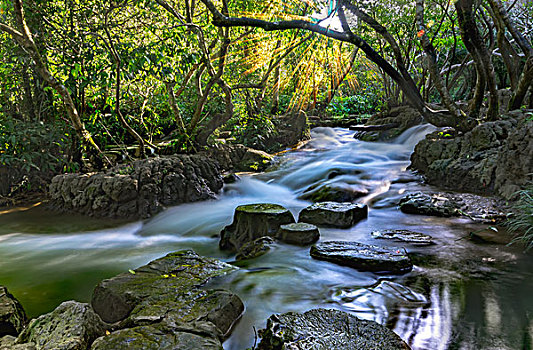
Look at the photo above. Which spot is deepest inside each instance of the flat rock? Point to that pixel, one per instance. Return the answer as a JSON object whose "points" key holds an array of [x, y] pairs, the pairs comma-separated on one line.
{"points": [[255, 248], [253, 221], [363, 257], [167, 291], [322, 329], [483, 209], [406, 236], [71, 326], [428, 204], [298, 233], [157, 337], [337, 192], [12, 315], [343, 215]]}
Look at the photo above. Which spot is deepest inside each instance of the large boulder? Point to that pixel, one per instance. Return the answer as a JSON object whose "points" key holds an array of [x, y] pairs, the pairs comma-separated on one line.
{"points": [[137, 190], [343, 215], [12, 315], [485, 209], [71, 326], [298, 233], [493, 158], [363, 257], [253, 221], [158, 337], [166, 291], [322, 329]]}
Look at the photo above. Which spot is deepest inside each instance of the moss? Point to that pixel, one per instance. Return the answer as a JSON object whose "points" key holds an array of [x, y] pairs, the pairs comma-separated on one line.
{"points": [[262, 208]]}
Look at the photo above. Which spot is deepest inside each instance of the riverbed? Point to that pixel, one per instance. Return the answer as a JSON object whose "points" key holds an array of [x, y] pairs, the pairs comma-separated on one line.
{"points": [[460, 295]]}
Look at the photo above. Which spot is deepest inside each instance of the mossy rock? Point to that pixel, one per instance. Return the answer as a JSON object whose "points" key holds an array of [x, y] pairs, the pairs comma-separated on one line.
{"points": [[157, 337], [342, 215], [363, 257], [298, 233], [71, 326], [167, 291], [254, 221], [323, 329], [12, 315]]}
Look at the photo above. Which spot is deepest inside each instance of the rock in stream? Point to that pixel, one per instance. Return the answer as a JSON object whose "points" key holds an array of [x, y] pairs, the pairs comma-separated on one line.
{"points": [[363, 257], [12, 315], [166, 295], [406, 236], [322, 329], [254, 221], [342, 215]]}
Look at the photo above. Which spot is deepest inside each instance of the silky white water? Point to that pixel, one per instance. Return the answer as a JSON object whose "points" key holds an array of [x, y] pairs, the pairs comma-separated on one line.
{"points": [[47, 258]]}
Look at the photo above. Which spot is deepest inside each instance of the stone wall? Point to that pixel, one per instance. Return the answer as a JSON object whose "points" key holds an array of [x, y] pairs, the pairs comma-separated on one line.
{"points": [[137, 190]]}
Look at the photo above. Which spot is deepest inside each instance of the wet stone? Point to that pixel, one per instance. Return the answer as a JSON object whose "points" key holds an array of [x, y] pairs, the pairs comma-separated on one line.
{"points": [[71, 326], [157, 337], [8, 342], [338, 192], [406, 236], [298, 233], [428, 204], [253, 221], [167, 291], [342, 215], [255, 248], [327, 329], [363, 257], [12, 315]]}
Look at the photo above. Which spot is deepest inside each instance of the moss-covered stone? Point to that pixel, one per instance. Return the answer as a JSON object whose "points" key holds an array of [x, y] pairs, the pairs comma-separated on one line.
{"points": [[157, 337], [254, 221], [167, 291], [71, 326], [323, 329], [12, 315], [298, 233], [363, 257], [334, 214]]}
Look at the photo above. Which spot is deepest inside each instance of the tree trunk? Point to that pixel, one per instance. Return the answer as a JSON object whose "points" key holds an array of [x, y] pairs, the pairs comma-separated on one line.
{"points": [[25, 39], [474, 44]]}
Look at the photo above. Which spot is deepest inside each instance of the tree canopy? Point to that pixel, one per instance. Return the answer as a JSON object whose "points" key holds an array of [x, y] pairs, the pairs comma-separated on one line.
{"points": [[138, 71]]}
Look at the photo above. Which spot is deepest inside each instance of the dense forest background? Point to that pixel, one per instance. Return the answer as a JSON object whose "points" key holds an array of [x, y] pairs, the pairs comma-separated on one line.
{"points": [[87, 79]]}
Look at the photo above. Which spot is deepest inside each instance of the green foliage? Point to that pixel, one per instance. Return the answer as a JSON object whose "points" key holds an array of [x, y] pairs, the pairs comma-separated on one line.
{"points": [[521, 223], [32, 146], [252, 131], [365, 102]]}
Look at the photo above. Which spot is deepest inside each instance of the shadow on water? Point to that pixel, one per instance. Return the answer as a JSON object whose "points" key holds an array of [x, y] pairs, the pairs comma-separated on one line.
{"points": [[459, 296]]}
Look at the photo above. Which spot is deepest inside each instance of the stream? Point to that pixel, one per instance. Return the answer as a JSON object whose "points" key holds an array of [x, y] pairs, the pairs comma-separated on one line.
{"points": [[460, 295]]}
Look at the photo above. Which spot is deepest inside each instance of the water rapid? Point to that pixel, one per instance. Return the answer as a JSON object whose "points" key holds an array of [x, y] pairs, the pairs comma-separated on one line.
{"points": [[46, 259]]}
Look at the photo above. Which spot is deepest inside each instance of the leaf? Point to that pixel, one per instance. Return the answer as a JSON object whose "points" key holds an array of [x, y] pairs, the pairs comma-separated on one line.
{"points": [[493, 228]]}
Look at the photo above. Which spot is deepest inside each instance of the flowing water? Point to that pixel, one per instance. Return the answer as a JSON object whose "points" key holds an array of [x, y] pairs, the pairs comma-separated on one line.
{"points": [[459, 296]]}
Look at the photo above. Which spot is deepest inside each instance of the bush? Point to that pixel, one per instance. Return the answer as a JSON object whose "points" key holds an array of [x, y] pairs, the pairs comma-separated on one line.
{"points": [[521, 224], [34, 146]]}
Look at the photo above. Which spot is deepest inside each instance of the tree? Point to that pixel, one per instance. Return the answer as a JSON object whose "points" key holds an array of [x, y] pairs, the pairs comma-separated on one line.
{"points": [[24, 38]]}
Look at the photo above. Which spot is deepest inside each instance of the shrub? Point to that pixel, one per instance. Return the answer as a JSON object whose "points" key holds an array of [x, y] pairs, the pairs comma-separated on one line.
{"points": [[521, 224]]}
